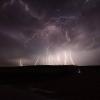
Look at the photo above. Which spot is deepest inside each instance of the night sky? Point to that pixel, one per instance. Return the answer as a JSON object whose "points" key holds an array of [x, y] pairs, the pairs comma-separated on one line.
{"points": [[49, 32]]}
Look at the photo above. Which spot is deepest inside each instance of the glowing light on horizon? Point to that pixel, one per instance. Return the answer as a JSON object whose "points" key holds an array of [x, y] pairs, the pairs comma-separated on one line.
{"points": [[58, 58], [20, 62]]}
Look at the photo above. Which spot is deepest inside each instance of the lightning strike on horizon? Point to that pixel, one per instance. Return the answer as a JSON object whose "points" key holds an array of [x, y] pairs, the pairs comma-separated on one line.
{"points": [[20, 62], [71, 58], [36, 61]]}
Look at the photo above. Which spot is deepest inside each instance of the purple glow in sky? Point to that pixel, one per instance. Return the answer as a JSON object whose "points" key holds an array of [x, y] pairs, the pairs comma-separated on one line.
{"points": [[36, 32]]}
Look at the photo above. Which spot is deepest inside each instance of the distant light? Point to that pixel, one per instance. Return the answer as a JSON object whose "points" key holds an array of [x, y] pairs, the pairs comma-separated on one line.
{"points": [[59, 58], [20, 62]]}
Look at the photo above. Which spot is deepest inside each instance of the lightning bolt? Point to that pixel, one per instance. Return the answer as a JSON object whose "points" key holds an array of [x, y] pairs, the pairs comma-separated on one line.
{"points": [[71, 58], [20, 62]]}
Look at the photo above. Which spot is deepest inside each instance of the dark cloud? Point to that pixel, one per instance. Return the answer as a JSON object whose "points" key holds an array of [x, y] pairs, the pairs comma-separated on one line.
{"points": [[29, 27]]}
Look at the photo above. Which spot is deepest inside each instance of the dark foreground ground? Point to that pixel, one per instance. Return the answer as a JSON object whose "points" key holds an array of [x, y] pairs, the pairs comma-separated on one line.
{"points": [[50, 83]]}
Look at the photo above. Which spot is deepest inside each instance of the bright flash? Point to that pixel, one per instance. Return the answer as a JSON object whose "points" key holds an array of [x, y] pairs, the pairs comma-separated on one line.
{"points": [[59, 58], [49, 58]]}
